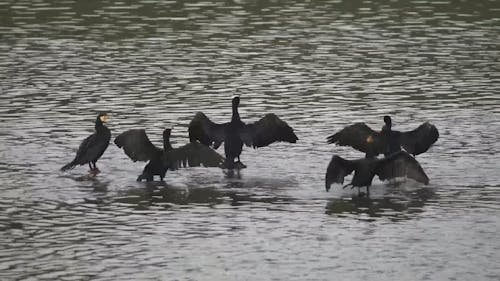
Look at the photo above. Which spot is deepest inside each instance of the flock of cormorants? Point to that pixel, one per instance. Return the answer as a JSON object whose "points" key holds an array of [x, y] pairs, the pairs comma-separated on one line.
{"points": [[205, 136]]}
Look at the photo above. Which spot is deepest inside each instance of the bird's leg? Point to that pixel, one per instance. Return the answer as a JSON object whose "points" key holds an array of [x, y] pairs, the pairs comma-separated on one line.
{"points": [[367, 191], [162, 174], [95, 168], [229, 164]]}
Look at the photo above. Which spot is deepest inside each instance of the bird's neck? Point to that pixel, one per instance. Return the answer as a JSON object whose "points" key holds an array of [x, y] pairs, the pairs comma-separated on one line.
{"points": [[236, 115], [166, 145], [99, 126]]}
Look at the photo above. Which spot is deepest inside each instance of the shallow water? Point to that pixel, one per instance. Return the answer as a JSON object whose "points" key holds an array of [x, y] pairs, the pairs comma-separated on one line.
{"points": [[319, 66]]}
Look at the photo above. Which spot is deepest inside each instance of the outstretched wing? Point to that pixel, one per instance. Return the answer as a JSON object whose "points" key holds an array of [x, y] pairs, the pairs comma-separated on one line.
{"points": [[356, 136], [267, 130], [401, 164], [337, 170], [137, 145], [419, 140], [192, 155], [206, 131]]}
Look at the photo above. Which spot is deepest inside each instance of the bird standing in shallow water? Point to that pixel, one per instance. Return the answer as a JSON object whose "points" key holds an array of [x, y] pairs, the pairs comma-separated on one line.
{"points": [[234, 134], [363, 138], [138, 147], [399, 164], [92, 148]]}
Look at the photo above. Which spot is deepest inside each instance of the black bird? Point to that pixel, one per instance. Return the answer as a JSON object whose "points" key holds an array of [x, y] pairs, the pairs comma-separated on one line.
{"points": [[399, 164], [234, 134], [138, 147], [387, 141], [92, 148]]}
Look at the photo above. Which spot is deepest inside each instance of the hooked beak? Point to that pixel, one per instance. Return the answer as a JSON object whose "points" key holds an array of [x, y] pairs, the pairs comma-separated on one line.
{"points": [[103, 118]]}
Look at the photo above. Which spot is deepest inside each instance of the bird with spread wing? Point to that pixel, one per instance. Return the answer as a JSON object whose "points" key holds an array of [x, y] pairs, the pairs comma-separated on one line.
{"points": [[138, 147], [235, 133], [363, 138], [399, 164]]}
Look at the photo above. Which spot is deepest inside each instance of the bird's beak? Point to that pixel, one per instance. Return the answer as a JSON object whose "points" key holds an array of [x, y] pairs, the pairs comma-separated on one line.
{"points": [[104, 118], [369, 139]]}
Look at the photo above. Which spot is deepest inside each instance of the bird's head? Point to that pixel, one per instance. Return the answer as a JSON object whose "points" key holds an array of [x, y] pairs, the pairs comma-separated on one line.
{"points": [[103, 116], [236, 101], [387, 120]]}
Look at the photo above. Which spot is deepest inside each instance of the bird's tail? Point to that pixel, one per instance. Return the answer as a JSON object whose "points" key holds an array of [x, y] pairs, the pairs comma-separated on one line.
{"points": [[68, 166]]}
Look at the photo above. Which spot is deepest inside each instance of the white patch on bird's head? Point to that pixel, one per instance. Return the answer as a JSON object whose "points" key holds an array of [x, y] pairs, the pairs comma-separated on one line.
{"points": [[103, 117]]}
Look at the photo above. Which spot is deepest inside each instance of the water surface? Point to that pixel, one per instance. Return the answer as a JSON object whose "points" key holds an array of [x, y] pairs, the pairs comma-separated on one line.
{"points": [[319, 66]]}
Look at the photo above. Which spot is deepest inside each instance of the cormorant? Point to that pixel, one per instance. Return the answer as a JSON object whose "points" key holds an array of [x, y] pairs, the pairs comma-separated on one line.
{"points": [[399, 164], [234, 134], [387, 141], [138, 147], [92, 148]]}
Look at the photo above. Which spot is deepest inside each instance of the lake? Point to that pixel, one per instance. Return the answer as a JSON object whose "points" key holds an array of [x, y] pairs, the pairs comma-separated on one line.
{"points": [[319, 66]]}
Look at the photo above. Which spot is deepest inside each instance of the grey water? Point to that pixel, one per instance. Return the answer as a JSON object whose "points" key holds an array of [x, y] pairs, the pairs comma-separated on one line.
{"points": [[318, 65]]}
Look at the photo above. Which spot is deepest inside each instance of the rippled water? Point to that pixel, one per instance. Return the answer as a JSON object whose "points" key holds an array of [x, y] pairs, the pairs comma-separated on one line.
{"points": [[320, 66]]}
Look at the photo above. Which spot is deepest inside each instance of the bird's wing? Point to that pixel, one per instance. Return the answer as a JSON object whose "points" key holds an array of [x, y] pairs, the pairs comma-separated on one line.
{"points": [[267, 130], [356, 136], [337, 170], [136, 145], [401, 164], [85, 146], [192, 155], [206, 131], [419, 140]]}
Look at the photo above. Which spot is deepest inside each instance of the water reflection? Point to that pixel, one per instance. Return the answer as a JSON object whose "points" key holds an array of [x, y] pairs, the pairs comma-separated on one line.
{"points": [[396, 204], [164, 195], [236, 192], [89, 181]]}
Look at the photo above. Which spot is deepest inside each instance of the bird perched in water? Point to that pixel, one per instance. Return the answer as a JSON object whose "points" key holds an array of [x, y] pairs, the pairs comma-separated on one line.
{"points": [[138, 147], [387, 141], [92, 148], [399, 164], [235, 133]]}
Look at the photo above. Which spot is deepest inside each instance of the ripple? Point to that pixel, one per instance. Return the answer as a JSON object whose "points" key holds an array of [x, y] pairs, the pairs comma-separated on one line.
{"points": [[320, 66]]}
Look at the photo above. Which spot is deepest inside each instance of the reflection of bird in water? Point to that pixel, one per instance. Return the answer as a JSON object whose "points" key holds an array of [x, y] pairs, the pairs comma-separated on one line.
{"points": [[92, 148], [138, 147], [387, 141], [399, 206], [234, 134], [399, 164], [233, 173]]}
